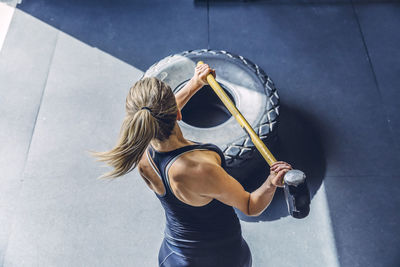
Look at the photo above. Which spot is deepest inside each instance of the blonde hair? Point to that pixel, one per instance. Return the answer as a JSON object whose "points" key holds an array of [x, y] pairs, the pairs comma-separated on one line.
{"points": [[141, 125]]}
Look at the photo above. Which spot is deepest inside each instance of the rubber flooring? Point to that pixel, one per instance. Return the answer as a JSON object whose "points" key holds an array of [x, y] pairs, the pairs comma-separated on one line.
{"points": [[65, 69]]}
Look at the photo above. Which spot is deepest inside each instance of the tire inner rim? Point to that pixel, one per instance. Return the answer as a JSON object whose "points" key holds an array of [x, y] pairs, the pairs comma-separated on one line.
{"points": [[205, 109]]}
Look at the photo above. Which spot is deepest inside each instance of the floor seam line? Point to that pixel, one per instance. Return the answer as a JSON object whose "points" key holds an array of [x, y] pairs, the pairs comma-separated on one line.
{"points": [[40, 102], [375, 77], [21, 176], [208, 24]]}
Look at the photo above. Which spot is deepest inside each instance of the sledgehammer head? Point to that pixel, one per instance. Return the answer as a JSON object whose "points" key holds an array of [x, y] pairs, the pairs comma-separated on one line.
{"points": [[297, 194]]}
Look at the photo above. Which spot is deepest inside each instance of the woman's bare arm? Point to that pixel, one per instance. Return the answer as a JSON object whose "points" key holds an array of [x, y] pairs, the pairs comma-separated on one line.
{"points": [[211, 180], [183, 96], [194, 84]]}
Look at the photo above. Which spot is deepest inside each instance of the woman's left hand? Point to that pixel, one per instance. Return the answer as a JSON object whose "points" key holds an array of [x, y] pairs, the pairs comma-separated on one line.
{"points": [[277, 173], [200, 74]]}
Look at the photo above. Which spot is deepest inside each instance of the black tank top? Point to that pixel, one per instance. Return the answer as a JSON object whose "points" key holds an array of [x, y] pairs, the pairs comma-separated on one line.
{"points": [[189, 226]]}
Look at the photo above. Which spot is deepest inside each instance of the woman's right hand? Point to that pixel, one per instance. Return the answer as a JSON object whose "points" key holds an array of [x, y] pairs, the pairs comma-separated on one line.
{"points": [[200, 74], [277, 172]]}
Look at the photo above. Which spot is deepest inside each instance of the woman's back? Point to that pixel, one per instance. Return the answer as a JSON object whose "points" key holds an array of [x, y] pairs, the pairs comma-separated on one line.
{"points": [[210, 232], [209, 222]]}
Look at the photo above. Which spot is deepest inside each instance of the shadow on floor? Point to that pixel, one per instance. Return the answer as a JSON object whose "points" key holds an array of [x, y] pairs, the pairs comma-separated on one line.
{"points": [[136, 32], [299, 144]]}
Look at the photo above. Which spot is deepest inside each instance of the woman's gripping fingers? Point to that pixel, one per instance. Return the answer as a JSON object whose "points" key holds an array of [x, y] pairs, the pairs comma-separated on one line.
{"points": [[280, 164], [279, 177], [280, 168]]}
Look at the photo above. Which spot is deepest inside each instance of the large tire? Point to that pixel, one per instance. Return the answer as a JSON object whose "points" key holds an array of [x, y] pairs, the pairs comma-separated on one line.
{"points": [[252, 90]]}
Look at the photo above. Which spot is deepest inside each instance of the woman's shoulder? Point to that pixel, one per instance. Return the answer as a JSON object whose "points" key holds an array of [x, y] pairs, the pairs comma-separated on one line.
{"points": [[192, 170], [191, 175], [196, 160]]}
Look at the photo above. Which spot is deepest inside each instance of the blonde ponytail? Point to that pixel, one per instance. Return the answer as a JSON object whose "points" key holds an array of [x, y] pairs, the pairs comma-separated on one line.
{"points": [[150, 113]]}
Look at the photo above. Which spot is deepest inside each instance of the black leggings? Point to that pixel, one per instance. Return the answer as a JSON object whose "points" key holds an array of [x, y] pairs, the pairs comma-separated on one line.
{"points": [[232, 255]]}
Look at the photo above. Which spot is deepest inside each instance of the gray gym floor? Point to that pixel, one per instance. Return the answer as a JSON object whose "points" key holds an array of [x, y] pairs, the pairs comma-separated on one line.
{"points": [[65, 70]]}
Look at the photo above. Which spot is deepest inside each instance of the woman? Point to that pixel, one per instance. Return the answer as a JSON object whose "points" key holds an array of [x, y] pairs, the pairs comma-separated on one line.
{"points": [[188, 177]]}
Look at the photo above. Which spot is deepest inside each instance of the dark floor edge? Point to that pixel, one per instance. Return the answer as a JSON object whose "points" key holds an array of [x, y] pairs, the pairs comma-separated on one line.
{"points": [[362, 176], [296, 3]]}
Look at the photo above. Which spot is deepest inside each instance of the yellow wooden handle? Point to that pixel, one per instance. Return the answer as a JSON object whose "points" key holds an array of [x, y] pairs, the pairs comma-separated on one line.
{"points": [[267, 155]]}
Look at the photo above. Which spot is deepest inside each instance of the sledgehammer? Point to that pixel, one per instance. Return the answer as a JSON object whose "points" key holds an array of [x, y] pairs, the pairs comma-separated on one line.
{"points": [[295, 185]]}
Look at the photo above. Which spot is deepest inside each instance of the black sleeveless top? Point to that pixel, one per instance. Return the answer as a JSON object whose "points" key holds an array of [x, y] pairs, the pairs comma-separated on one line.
{"points": [[189, 226]]}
